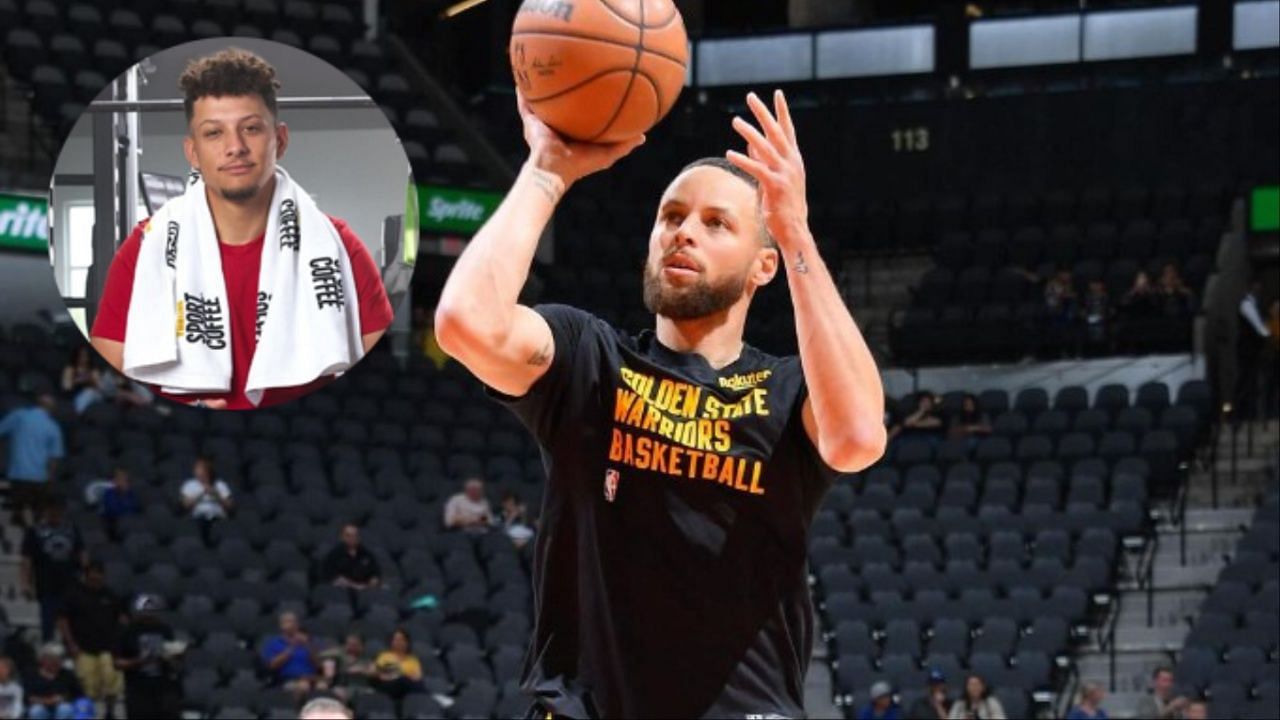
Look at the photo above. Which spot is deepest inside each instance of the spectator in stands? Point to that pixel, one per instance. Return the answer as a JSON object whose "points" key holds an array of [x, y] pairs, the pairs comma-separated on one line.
{"points": [[1060, 302], [346, 669], [977, 702], [35, 446], [970, 421], [11, 707], [1196, 710], [515, 519], [90, 625], [325, 708], [1140, 300], [469, 510], [1175, 297], [52, 555], [206, 496], [1160, 703], [119, 500], [125, 392], [1251, 338], [882, 705], [1097, 315], [81, 380], [934, 705], [51, 690], [349, 564], [151, 661], [288, 657], [924, 421], [399, 672], [1088, 703]]}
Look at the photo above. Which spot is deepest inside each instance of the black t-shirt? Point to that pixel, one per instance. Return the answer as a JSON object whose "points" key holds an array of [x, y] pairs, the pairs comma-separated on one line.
{"points": [[64, 684], [146, 639], [670, 570], [94, 617], [55, 557], [361, 567]]}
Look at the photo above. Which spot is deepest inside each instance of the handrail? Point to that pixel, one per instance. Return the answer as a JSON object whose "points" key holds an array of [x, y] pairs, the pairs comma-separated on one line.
{"points": [[1146, 574]]}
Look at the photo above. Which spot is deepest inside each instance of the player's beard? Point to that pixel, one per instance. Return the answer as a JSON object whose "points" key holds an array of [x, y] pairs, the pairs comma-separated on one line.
{"points": [[695, 301], [238, 195]]}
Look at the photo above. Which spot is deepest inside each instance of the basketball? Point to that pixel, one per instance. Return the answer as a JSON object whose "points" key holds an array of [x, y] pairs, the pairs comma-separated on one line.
{"points": [[599, 70]]}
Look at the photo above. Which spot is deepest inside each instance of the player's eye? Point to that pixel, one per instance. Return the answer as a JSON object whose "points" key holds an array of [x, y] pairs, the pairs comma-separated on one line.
{"points": [[253, 129], [210, 134], [717, 222], [673, 218]]}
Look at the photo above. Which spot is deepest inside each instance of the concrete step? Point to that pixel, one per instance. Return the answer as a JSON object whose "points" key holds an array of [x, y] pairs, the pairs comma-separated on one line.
{"points": [[1201, 519], [1169, 608]]}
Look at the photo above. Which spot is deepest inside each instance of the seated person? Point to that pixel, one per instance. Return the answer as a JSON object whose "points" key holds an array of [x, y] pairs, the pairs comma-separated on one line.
{"points": [[350, 564], [51, 690], [469, 509], [288, 657], [205, 496], [118, 501], [515, 519], [398, 671], [345, 670], [969, 421], [10, 691]]}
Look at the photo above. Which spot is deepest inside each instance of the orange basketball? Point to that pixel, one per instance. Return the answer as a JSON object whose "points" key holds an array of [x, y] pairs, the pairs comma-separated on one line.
{"points": [[599, 70]]}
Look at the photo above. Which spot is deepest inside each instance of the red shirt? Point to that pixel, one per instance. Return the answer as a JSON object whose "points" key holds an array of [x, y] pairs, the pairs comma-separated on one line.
{"points": [[240, 265]]}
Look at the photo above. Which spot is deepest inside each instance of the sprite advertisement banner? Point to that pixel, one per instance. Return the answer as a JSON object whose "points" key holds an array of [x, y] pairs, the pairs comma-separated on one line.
{"points": [[454, 210], [24, 223]]}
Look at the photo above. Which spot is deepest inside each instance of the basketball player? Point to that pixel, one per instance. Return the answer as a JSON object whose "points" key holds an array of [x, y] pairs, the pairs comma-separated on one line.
{"points": [[234, 141], [684, 466]]}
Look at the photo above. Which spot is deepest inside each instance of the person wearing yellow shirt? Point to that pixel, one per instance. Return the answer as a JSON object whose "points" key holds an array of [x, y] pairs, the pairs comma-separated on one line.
{"points": [[398, 671]]}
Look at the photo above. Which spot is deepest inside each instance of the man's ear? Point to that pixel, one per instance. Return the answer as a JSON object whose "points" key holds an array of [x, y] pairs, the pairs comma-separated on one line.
{"points": [[282, 140], [766, 266], [189, 149]]}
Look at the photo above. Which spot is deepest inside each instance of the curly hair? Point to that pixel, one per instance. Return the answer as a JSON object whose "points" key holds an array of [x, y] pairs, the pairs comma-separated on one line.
{"points": [[229, 72]]}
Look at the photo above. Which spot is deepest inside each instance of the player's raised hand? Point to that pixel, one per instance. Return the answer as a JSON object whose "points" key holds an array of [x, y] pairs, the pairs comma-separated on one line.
{"points": [[773, 158], [570, 160]]}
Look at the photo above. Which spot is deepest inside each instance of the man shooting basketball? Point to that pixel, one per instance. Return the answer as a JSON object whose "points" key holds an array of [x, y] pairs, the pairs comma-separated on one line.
{"points": [[684, 466]]}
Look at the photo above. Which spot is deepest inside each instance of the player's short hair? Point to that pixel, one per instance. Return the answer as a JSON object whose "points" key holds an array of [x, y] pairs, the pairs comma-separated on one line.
{"points": [[325, 706], [746, 177], [232, 72]]}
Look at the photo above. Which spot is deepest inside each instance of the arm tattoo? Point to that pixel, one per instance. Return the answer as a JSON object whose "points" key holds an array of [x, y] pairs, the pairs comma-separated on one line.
{"points": [[551, 185], [801, 266], [541, 357]]}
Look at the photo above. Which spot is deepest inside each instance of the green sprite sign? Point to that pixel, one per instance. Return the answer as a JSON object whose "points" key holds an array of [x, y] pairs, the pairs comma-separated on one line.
{"points": [[453, 210], [1264, 209], [24, 223]]}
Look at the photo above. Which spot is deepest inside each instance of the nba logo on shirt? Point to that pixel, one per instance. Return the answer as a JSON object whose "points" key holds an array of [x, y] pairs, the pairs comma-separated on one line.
{"points": [[610, 484]]}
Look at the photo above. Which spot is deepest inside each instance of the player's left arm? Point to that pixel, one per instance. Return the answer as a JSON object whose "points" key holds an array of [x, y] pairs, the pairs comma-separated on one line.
{"points": [[844, 413], [376, 313]]}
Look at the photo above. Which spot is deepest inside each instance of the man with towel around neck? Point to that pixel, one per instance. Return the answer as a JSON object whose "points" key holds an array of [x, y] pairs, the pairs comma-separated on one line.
{"points": [[247, 295]]}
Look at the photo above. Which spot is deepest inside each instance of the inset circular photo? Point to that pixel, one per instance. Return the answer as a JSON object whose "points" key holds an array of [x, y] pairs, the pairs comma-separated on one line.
{"points": [[233, 223]]}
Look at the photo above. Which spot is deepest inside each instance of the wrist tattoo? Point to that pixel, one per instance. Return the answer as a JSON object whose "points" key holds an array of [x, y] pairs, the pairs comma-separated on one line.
{"points": [[549, 183], [801, 266], [541, 357]]}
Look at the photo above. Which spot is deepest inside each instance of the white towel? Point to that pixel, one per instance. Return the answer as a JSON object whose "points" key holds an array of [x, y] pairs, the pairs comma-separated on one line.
{"points": [[178, 334]]}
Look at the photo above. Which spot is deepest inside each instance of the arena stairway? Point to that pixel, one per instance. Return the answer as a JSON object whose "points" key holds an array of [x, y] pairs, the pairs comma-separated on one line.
{"points": [[1179, 590], [22, 614]]}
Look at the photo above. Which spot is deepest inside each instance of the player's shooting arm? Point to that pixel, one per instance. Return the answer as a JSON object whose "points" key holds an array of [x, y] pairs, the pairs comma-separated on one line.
{"points": [[844, 414], [478, 320]]}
